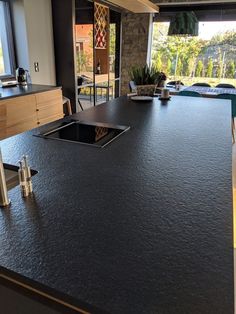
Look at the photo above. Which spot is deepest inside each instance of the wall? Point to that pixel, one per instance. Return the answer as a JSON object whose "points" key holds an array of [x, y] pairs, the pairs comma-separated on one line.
{"points": [[64, 39], [135, 40], [34, 38]]}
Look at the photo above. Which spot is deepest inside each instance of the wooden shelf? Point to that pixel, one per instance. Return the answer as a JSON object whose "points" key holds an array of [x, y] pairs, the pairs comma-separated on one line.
{"points": [[101, 25]]}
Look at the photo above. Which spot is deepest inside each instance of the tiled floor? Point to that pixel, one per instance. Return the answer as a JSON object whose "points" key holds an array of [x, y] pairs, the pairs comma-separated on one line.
{"points": [[86, 103]]}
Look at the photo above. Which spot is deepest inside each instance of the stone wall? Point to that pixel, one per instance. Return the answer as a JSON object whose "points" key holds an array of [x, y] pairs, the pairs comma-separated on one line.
{"points": [[135, 33]]}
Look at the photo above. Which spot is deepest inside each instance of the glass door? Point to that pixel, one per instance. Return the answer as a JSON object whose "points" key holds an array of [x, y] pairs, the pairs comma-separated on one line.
{"points": [[84, 30], [97, 37], [114, 55]]}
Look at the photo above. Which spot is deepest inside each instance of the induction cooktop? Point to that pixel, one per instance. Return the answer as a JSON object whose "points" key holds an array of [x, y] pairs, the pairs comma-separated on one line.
{"points": [[88, 133]]}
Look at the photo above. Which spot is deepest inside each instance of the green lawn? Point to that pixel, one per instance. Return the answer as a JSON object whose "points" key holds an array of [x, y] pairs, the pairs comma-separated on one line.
{"points": [[1, 64], [210, 80]]}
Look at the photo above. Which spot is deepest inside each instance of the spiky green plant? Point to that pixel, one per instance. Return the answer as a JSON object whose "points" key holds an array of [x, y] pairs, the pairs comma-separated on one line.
{"points": [[145, 75]]}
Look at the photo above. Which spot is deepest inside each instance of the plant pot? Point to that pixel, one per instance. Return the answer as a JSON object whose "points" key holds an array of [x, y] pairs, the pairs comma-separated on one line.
{"points": [[146, 90], [161, 83]]}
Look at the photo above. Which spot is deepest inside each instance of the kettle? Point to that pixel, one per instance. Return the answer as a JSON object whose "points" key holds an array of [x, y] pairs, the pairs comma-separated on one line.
{"points": [[21, 76]]}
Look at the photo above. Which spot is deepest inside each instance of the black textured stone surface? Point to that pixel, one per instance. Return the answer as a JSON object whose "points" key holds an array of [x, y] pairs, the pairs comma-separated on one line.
{"points": [[9, 92], [142, 226]]}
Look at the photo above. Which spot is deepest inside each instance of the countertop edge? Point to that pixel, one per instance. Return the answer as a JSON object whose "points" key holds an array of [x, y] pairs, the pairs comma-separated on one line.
{"points": [[45, 294], [26, 93]]}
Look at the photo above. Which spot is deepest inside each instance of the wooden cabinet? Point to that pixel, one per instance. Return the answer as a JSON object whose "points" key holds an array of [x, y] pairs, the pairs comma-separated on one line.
{"points": [[23, 113], [20, 114], [49, 106], [3, 120]]}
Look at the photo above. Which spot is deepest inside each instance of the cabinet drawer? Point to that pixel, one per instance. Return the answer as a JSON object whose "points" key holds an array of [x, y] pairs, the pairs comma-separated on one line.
{"points": [[20, 109], [48, 98], [3, 133], [23, 113], [49, 119], [20, 127], [3, 111], [49, 111], [3, 120]]}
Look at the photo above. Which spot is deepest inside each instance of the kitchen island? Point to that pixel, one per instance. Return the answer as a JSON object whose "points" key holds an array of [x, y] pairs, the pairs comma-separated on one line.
{"points": [[144, 225]]}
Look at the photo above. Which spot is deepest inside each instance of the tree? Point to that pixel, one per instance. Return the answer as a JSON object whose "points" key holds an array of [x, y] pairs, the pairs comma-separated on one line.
{"points": [[158, 63], [230, 69], [83, 61], [219, 66], [112, 39], [199, 69], [184, 53], [191, 67], [179, 70], [228, 37], [169, 67], [166, 48], [209, 71]]}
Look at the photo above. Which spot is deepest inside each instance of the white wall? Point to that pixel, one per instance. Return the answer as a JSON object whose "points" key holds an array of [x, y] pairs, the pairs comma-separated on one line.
{"points": [[34, 38]]}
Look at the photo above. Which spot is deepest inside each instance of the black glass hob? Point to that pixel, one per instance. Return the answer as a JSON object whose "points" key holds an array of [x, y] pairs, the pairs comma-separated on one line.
{"points": [[90, 133]]}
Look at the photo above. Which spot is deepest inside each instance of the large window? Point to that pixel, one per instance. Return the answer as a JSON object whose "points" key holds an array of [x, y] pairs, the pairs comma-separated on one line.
{"points": [[6, 45], [210, 57]]}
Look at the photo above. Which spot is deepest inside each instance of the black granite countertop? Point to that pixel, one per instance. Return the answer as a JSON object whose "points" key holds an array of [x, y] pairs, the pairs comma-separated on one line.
{"points": [[143, 225], [10, 92]]}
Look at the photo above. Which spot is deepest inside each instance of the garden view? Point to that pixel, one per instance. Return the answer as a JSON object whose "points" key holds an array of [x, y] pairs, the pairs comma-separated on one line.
{"points": [[210, 57], [1, 60]]}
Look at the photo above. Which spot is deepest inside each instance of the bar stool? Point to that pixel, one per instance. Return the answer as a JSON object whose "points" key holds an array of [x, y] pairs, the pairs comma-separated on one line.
{"points": [[233, 109], [66, 102], [107, 89], [224, 85], [202, 84], [189, 93], [79, 83]]}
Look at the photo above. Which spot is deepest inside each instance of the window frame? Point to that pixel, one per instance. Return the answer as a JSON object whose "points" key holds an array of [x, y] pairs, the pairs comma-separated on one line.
{"points": [[9, 41]]}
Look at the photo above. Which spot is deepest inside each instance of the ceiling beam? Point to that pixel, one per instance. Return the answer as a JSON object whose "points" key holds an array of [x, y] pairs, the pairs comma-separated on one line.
{"points": [[192, 2], [136, 6]]}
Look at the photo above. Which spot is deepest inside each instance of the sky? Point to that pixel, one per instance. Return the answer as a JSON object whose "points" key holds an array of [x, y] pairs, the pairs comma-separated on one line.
{"points": [[209, 29]]}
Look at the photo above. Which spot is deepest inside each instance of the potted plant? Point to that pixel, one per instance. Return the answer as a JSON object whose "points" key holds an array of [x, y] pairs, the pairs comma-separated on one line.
{"points": [[146, 79], [162, 79]]}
